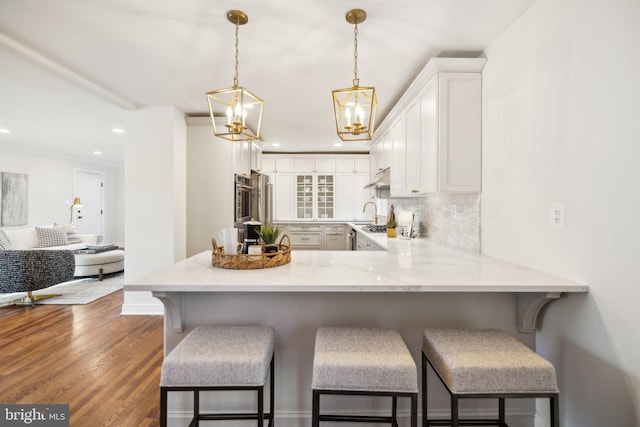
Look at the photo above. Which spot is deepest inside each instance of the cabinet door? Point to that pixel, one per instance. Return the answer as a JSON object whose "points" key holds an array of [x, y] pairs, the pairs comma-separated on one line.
{"points": [[362, 165], [324, 165], [459, 105], [345, 196], [283, 202], [242, 158], [285, 165], [268, 165], [304, 196], [361, 196], [335, 239], [304, 166], [412, 147], [345, 165], [399, 165], [429, 139], [325, 195]]}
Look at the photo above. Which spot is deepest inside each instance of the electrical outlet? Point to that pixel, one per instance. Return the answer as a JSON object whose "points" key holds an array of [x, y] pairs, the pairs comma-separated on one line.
{"points": [[557, 215]]}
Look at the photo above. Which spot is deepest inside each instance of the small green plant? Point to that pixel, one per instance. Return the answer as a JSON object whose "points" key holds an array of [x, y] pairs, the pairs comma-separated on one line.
{"points": [[269, 233]]}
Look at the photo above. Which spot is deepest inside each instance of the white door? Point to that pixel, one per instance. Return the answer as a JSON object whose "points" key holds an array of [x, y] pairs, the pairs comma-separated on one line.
{"points": [[88, 218]]}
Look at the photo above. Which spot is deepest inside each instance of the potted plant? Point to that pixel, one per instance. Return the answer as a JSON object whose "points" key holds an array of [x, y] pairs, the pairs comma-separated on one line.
{"points": [[269, 234], [391, 223]]}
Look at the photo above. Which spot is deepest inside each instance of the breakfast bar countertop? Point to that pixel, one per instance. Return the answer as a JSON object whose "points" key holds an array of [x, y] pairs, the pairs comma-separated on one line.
{"points": [[416, 265]]}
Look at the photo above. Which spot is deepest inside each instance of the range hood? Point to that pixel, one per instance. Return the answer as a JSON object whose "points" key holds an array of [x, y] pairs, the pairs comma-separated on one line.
{"points": [[381, 180]]}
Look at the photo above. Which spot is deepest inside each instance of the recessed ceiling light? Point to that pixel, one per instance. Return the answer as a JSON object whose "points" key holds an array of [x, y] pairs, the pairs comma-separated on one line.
{"points": [[337, 144], [98, 153], [4, 131], [275, 144], [118, 130]]}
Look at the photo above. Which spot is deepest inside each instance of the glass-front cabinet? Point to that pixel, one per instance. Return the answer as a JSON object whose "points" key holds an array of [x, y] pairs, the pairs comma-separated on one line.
{"points": [[315, 196]]}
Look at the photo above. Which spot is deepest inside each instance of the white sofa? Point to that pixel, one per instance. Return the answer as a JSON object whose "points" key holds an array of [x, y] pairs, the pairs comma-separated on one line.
{"points": [[56, 237]]}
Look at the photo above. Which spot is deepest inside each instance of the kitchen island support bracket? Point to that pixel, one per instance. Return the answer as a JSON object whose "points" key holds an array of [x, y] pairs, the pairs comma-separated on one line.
{"points": [[529, 305], [173, 308]]}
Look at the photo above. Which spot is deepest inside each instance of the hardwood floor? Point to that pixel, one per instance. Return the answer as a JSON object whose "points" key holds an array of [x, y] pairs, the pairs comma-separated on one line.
{"points": [[104, 365]]}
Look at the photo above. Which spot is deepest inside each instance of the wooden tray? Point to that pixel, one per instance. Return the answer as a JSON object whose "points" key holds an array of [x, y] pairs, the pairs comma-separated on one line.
{"points": [[253, 261]]}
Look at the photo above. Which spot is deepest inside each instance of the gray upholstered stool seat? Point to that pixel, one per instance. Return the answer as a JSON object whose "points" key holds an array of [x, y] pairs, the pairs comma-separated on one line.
{"points": [[486, 363], [366, 361], [221, 358]]}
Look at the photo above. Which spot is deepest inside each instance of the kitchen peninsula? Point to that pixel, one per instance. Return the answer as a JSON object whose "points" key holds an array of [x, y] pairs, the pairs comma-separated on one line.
{"points": [[413, 285]]}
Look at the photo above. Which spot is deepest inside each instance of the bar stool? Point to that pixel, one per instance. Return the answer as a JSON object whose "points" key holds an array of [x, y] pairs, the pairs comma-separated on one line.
{"points": [[221, 358], [367, 362], [485, 363]]}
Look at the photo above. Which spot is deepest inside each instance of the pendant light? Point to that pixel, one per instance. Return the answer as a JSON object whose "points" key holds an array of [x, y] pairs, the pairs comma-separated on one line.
{"points": [[236, 112], [355, 107]]}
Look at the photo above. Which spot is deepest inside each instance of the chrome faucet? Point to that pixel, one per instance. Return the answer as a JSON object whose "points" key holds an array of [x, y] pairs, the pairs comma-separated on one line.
{"points": [[375, 212]]}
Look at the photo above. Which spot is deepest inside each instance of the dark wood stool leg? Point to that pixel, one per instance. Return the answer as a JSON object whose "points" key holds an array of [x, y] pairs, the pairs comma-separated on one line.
{"points": [[272, 393], [425, 422], [501, 412], [261, 407]]}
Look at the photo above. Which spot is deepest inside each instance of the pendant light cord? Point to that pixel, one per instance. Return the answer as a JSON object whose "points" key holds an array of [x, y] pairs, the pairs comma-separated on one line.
{"points": [[235, 77], [356, 80]]}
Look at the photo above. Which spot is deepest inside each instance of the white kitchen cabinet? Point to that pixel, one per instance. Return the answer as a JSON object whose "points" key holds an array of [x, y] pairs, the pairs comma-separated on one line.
{"points": [[398, 158], [363, 243], [242, 158], [435, 131], [305, 236], [256, 155], [351, 195], [334, 238], [315, 196], [358, 164], [319, 165], [283, 196], [453, 134]]}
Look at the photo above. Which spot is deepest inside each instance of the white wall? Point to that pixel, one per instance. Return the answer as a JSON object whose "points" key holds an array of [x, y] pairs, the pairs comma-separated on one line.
{"points": [[561, 123], [51, 189], [209, 185], [155, 197]]}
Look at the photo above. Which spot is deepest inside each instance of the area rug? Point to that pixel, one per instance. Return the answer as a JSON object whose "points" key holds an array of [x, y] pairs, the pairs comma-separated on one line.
{"points": [[79, 291]]}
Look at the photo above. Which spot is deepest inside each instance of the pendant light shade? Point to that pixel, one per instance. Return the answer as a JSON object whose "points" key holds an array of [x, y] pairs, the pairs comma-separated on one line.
{"points": [[236, 112], [355, 107]]}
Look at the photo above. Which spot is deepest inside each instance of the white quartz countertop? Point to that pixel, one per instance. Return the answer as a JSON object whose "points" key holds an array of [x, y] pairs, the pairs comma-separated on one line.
{"points": [[416, 265]]}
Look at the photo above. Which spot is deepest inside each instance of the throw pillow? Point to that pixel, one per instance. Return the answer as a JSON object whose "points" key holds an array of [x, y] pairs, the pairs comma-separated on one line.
{"points": [[51, 236], [5, 244], [72, 235]]}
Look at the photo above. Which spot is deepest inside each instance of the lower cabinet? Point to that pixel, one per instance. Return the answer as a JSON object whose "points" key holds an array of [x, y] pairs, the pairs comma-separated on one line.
{"points": [[306, 237], [335, 238], [328, 237], [365, 244]]}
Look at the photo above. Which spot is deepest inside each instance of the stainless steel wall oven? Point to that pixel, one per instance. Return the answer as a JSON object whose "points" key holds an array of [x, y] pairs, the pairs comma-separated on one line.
{"points": [[242, 200]]}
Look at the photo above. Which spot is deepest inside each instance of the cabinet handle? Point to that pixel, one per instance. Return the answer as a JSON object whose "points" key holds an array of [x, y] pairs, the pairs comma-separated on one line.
{"points": [[304, 238], [415, 191]]}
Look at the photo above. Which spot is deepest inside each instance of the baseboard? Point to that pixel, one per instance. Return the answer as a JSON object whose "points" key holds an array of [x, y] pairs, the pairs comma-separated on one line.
{"points": [[142, 309]]}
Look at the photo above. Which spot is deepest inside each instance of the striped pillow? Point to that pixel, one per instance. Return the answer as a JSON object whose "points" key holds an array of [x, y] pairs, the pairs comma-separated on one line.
{"points": [[5, 244], [51, 236]]}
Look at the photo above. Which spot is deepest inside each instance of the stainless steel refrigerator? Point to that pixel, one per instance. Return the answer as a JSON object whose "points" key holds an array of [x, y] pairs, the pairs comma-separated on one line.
{"points": [[261, 198]]}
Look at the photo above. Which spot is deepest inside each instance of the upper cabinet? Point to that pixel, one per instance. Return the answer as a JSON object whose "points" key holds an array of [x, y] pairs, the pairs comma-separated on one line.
{"points": [[435, 131]]}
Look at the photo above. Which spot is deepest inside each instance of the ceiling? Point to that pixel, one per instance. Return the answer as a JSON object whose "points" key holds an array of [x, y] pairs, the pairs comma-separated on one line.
{"points": [[71, 70]]}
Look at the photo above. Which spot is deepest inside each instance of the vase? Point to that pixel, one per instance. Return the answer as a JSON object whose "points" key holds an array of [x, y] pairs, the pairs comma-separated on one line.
{"points": [[391, 232]]}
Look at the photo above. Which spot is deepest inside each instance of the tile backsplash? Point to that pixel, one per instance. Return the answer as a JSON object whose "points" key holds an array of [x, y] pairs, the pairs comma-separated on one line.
{"points": [[450, 219]]}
